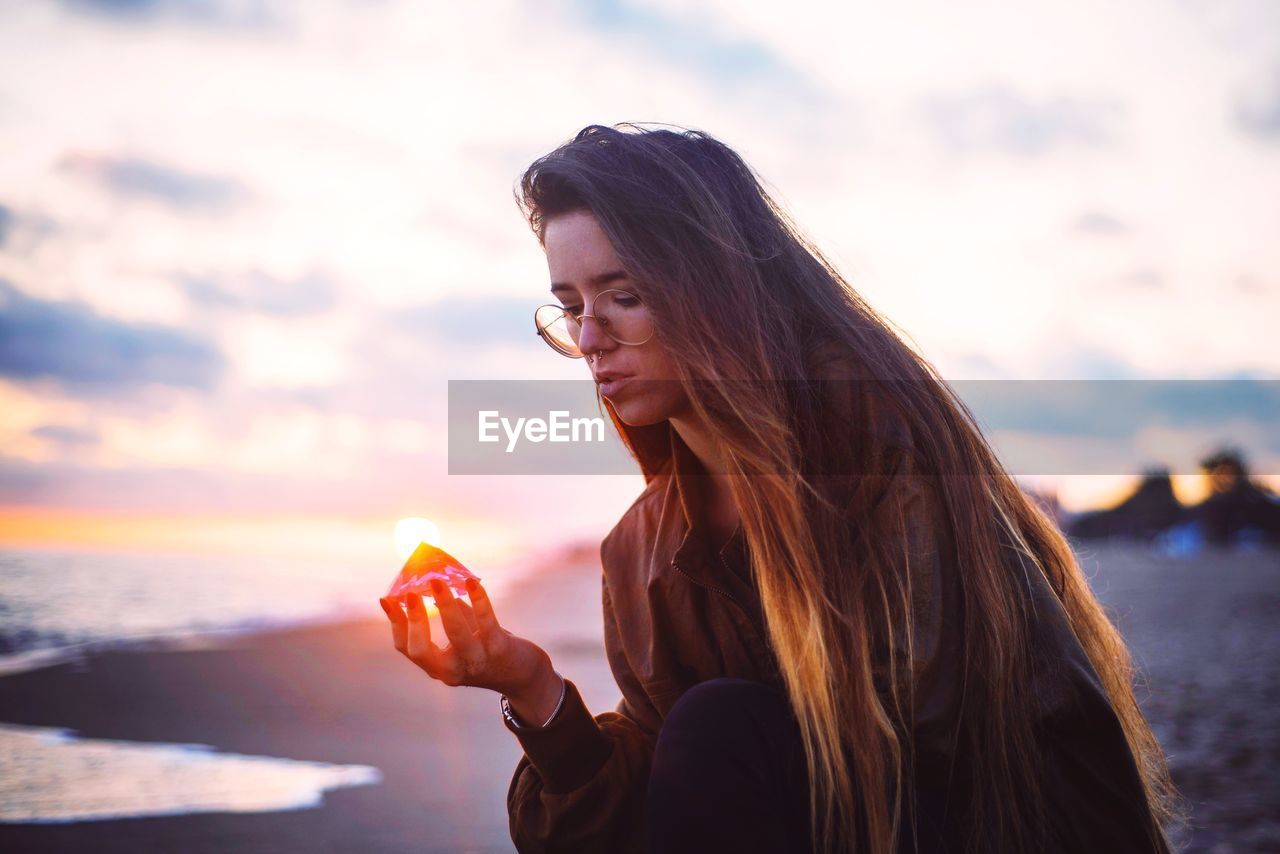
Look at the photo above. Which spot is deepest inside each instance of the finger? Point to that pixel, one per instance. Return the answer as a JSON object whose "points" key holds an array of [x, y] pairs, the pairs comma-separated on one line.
{"points": [[467, 613], [421, 650], [455, 624], [399, 625], [482, 607]]}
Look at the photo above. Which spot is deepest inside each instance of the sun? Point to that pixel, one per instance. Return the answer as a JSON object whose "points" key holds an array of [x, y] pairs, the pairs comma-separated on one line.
{"points": [[414, 530]]}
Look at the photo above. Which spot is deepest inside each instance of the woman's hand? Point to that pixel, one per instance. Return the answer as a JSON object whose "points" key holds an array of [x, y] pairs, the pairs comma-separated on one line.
{"points": [[480, 653]]}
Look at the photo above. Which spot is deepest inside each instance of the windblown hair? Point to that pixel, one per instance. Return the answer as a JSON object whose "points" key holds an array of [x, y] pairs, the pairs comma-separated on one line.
{"points": [[739, 293]]}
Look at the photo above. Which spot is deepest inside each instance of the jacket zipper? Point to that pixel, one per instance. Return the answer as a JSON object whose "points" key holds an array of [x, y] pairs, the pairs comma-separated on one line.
{"points": [[761, 630], [719, 590], [712, 587]]}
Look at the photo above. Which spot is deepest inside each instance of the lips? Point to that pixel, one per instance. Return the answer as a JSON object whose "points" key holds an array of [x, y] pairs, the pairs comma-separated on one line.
{"points": [[609, 382], [610, 387]]}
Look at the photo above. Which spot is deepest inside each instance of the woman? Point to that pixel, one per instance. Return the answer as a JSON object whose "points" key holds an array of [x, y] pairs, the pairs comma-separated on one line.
{"points": [[835, 620]]}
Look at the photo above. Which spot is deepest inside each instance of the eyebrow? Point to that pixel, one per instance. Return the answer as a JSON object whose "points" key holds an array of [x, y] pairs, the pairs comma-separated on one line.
{"points": [[602, 279]]}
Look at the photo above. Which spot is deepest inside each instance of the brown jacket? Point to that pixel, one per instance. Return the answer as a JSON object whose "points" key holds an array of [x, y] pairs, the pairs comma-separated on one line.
{"points": [[677, 613]]}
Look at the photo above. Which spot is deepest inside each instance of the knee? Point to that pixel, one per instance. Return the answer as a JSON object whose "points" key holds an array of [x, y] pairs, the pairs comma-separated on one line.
{"points": [[728, 745], [725, 706]]}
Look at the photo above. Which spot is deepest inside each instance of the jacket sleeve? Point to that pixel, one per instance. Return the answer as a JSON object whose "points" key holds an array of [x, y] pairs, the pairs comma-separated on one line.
{"points": [[581, 783]]}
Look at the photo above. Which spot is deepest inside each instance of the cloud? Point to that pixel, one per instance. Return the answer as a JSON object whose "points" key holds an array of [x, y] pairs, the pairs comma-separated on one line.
{"points": [[257, 291], [471, 320], [22, 235], [1249, 283], [738, 65], [1085, 362], [997, 119], [1143, 277], [66, 436], [131, 177], [72, 344], [67, 484], [1099, 224], [971, 365], [1258, 113], [689, 42], [228, 14]]}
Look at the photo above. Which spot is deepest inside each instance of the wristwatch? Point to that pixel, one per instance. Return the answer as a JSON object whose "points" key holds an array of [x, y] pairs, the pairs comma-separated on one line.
{"points": [[511, 718]]}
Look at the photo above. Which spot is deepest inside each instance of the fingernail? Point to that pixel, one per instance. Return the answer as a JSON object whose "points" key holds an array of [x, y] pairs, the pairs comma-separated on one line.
{"points": [[472, 585]]}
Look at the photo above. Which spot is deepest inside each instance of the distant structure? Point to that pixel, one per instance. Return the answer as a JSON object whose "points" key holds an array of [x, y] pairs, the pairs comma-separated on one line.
{"points": [[1148, 510], [1238, 511]]}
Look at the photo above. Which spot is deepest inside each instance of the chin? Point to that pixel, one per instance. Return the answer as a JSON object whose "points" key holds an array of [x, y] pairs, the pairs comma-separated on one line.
{"points": [[637, 411], [637, 416]]}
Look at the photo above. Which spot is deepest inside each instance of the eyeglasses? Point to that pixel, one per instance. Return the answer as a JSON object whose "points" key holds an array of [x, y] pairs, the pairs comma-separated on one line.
{"points": [[621, 314]]}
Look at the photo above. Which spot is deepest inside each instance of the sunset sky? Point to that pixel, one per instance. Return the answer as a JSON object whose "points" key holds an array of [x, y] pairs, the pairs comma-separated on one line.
{"points": [[244, 245]]}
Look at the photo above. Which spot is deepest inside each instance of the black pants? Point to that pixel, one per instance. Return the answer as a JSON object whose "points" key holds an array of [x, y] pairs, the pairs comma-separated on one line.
{"points": [[729, 775]]}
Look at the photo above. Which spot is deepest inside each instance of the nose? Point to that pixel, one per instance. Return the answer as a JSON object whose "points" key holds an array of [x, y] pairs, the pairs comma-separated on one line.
{"points": [[593, 337]]}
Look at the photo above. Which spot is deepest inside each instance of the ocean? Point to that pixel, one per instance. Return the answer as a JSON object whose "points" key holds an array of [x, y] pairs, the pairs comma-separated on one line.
{"points": [[60, 604]]}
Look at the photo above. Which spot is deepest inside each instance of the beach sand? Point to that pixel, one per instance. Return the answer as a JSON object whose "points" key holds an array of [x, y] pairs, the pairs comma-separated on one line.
{"points": [[1203, 630]]}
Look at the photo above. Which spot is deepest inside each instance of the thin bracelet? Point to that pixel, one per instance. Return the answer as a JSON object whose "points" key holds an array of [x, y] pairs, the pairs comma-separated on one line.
{"points": [[564, 687], [510, 715]]}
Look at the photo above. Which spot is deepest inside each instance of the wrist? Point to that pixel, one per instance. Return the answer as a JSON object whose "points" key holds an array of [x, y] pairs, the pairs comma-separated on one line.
{"points": [[535, 702], [568, 752]]}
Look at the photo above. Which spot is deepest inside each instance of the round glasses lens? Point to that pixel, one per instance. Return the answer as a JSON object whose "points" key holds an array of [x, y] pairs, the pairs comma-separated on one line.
{"points": [[624, 317], [555, 326]]}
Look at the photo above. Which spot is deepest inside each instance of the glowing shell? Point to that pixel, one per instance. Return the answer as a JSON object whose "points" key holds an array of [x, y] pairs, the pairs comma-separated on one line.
{"points": [[428, 562]]}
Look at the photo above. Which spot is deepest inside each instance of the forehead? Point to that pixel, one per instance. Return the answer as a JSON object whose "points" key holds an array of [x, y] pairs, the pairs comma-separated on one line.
{"points": [[578, 251]]}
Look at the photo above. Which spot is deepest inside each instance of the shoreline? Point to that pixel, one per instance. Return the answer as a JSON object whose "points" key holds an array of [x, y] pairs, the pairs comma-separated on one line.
{"points": [[542, 562]]}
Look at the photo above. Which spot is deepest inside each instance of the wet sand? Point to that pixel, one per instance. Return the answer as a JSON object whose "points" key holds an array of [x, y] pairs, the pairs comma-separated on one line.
{"points": [[1204, 630]]}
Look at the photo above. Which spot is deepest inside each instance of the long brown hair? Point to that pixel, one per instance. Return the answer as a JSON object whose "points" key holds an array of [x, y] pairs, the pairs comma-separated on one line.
{"points": [[740, 294]]}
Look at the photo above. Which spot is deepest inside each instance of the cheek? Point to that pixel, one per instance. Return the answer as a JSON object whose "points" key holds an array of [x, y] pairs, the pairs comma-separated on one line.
{"points": [[656, 363], [663, 396], [650, 402]]}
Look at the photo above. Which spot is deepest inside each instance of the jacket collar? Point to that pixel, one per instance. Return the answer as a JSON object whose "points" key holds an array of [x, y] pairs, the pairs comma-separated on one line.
{"points": [[696, 552]]}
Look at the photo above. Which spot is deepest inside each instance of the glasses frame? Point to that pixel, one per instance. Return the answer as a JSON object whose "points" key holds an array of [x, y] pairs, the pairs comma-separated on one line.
{"points": [[604, 324]]}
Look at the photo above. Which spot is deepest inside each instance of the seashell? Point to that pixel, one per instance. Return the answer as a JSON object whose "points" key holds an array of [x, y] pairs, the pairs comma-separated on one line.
{"points": [[428, 562]]}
